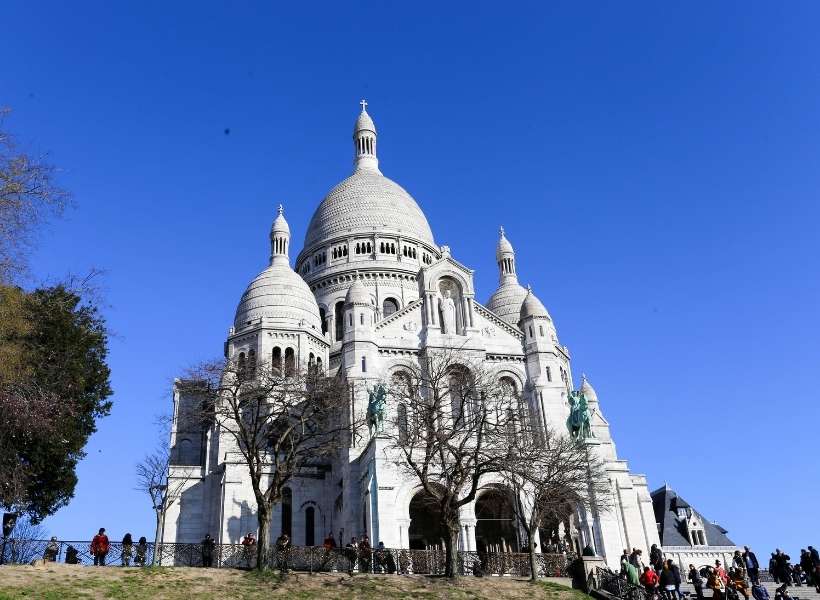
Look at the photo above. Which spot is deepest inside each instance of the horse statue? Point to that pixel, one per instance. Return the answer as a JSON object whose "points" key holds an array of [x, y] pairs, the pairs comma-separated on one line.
{"points": [[375, 409], [579, 420]]}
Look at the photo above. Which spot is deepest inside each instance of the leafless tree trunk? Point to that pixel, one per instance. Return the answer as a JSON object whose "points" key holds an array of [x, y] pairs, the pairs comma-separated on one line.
{"points": [[553, 478], [452, 427], [280, 423]]}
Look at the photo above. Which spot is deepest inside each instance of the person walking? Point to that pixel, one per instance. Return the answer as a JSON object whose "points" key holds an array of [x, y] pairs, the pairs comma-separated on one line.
{"points": [[752, 566], [142, 552], [784, 569], [678, 581], [739, 563], [815, 562], [99, 547], [127, 550], [696, 580], [208, 551], [632, 575], [667, 581], [715, 583], [773, 568]]}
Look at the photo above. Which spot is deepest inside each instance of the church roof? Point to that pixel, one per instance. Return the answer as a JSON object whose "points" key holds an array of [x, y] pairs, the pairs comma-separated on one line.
{"points": [[533, 307], [672, 530], [506, 301], [278, 296], [364, 203]]}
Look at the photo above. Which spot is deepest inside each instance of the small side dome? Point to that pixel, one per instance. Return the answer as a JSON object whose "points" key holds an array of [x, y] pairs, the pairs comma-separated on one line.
{"points": [[588, 390], [357, 293], [532, 307]]}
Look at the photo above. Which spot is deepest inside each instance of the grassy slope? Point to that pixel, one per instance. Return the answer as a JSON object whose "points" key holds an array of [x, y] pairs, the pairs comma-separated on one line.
{"points": [[61, 583]]}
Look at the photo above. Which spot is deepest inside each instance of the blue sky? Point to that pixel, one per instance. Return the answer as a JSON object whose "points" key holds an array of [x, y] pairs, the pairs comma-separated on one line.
{"points": [[654, 164]]}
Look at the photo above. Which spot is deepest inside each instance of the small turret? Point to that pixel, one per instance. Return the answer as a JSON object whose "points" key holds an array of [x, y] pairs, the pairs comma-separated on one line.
{"points": [[279, 238], [364, 142]]}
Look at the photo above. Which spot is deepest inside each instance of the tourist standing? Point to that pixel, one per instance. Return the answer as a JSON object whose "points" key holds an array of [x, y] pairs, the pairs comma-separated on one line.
{"points": [[773, 568], [737, 579], [649, 580], [52, 550], [667, 581], [739, 563], [656, 558], [282, 553], [632, 575], [752, 566], [142, 552], [635, 560], [99, 547], [208, 551], [715, 583], [815, 561], [676, 574], [127, 550], [784, 569], [365, 557], [248, 547], [351, 549], [697, 581]]}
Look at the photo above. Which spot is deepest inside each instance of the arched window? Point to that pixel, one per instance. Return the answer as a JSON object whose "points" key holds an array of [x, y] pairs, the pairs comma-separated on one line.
{"points": [[311, 363], [318, 364], [549, 374], [338, 314], [287, 511], [290, 362], [402, 422], [364, 364], [460, 395], [323, 317], [389, 306], [252, 363], [310, 526], [276, 360], [241, 367], [361, 318], [541, 330]]}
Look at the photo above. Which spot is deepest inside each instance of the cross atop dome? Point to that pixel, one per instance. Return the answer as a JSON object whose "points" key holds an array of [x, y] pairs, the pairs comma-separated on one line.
{"points": [[364, 142]]}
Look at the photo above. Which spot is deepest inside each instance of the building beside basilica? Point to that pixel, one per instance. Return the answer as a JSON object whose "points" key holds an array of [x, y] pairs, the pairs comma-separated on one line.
{"points": [[370, 292]]}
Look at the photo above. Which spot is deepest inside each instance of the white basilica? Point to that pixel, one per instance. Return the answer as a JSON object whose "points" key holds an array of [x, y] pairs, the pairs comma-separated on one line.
{"points": [[370, 291]]}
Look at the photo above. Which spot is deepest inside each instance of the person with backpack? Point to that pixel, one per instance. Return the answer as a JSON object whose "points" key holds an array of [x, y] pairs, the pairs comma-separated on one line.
{"points": [[100, 547]]}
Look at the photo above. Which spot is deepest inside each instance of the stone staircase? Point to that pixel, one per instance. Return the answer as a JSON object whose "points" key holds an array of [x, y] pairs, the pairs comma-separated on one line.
{"points": [[802, 593]]}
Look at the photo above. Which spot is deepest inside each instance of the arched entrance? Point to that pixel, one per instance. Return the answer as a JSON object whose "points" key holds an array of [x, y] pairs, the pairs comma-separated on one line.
{"points": [[425, 531], [495, 529]]}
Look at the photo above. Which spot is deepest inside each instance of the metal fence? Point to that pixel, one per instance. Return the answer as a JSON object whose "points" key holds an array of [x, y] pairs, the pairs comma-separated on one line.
{"points": [[297, 558], [617, 585]]}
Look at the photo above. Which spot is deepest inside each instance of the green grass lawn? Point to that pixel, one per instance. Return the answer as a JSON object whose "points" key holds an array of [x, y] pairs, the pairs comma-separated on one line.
{"points": [[63, 583]]}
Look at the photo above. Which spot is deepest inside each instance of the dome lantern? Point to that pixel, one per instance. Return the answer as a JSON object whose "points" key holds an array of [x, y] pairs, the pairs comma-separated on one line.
{"points": [[364, 142], [505, 257], [279, 238]]}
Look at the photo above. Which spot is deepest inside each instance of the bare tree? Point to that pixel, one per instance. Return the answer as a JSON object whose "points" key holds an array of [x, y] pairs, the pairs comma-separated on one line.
{"points": [[282, 422], [28, 196], [154, 478], [553, 479], [452, 427]]}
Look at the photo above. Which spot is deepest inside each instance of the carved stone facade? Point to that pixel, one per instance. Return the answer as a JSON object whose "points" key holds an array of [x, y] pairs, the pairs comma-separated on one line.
{"points": [[369, 293]]}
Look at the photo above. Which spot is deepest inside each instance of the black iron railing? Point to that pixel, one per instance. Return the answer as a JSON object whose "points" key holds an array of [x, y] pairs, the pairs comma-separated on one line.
{"points": [[617, 585], [297, 558]]}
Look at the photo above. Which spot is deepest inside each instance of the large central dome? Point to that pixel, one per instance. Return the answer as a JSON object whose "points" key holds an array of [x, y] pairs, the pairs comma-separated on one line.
{"points": [[365, 202]]}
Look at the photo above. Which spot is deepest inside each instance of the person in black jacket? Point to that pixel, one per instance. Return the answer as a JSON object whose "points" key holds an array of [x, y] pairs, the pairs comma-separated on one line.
{"points": [[697, 581], [784, 569], [208, 551], [676, 574], [752, 566], [667, 581], [656, 558]]}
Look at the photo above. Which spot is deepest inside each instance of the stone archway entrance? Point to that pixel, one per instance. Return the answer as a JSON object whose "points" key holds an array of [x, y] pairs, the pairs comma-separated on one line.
{"points": [[495, 529], [425, 531]]}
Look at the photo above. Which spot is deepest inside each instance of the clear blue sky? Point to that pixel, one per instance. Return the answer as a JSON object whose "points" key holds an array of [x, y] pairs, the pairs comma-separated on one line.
{"points": [[655, 166]]}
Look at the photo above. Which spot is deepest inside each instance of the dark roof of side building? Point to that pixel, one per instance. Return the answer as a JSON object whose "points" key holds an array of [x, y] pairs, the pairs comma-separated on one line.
{"points": [[672, 531]]}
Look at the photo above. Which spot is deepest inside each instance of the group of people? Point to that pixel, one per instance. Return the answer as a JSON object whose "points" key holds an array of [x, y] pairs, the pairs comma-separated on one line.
{"points": [[358, 553], [662, 577], [806, 571], [99, 549]]}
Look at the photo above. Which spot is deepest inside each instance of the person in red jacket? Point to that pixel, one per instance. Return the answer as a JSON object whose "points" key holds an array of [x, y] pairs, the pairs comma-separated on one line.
{"points": [[100, 547], [649, 579]]}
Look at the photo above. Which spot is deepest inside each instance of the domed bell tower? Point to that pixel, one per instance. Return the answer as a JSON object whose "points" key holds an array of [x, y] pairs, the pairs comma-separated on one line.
{"points": [[364, 142]]}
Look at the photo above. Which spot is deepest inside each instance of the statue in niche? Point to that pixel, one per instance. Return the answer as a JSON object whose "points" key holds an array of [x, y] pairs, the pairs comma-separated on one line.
{"points": [[447, 310], [377, 402]]}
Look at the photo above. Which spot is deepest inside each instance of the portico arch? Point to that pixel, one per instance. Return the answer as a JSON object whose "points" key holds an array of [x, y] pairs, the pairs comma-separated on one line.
{"points": [[425, 516], [495, 529]]}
